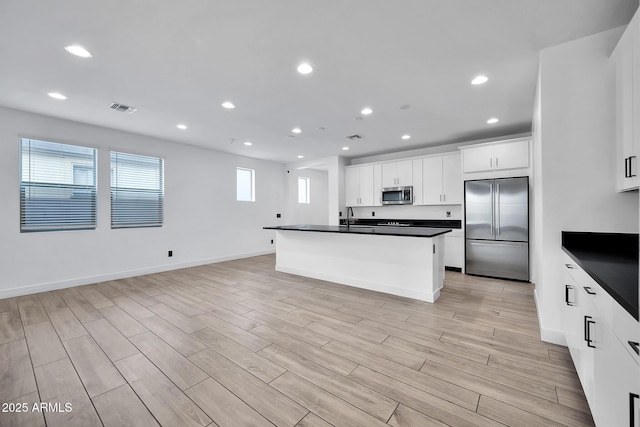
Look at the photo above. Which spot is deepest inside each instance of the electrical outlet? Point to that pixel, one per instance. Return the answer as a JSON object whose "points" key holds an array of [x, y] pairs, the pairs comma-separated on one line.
{"points": [[340, 214], [448, 214], [373, 213], [170, 254], [272, 241], [278, 215]]}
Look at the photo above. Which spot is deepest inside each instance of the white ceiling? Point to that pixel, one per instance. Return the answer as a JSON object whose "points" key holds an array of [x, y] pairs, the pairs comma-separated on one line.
{"points": [[177, 61]]}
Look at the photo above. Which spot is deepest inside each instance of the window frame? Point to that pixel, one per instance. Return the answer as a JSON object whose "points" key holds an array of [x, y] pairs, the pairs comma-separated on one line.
{"points": [[307, 189], [253, 185]]}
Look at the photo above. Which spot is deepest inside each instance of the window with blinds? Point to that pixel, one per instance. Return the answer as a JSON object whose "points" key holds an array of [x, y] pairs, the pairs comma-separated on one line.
{"points": [[57, 186], [137, 191]]}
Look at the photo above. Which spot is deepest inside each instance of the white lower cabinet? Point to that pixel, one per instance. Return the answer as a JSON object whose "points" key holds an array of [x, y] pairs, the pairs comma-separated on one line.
{"points": [[453, 249], [624, 388], [607, 366]]}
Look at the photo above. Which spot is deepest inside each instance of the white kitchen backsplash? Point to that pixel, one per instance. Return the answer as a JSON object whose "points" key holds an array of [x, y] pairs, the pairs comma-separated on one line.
{"points": [[409, 212]]}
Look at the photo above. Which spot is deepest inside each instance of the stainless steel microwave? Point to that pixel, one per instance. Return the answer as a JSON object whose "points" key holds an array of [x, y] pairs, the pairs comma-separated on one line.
{"points": [[397, 195]]}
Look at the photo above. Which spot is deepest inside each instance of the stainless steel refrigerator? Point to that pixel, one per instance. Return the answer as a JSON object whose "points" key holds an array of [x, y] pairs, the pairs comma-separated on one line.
{"points": [[497, 228]]}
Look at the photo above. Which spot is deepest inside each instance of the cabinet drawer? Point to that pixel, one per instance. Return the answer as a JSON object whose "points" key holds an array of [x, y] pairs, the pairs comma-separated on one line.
{"points": [[592, 292], [626, 329]]}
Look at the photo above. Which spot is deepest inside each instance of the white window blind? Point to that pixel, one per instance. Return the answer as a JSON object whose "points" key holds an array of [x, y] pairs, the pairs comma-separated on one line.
{"points": [[137, 191], [245, 185], [303, 190], [57, 186]]}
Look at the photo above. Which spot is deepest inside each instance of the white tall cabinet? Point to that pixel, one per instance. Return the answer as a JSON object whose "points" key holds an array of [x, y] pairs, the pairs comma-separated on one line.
{"points": [[627, 59]]}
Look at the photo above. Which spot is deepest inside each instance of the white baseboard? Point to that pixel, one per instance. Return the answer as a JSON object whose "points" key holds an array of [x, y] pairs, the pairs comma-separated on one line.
{"points": [[51, 286], [408, 293], [553, 336]]}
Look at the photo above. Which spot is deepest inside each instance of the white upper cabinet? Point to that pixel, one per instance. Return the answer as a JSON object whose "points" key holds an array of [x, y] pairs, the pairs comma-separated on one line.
{"points": [[442, 180], [432, 180], [452, 188], [478, 159], [417, 182], [496, 156], [398, 173], [627, 59], [359, 185], [377, 184]]}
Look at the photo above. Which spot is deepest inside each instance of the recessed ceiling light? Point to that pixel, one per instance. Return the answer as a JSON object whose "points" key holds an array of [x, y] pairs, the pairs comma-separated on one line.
{"points": [[56, 95], [366, 111], [181, 126], [493, 120], [405, 106], [228, 105], [345, 148], [296, 130], [247, 143], [406, 136], [301, 157], [479, 80], [77, 50], [305, 68]]}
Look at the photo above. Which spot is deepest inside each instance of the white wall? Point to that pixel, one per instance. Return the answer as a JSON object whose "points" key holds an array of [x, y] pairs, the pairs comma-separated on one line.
{"points": [[575, 183], [203, 221], [315, 212]]}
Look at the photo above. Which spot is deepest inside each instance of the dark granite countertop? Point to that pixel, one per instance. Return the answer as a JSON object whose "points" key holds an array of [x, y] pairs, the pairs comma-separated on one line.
{"points": [[365, 229], [611, 259]]}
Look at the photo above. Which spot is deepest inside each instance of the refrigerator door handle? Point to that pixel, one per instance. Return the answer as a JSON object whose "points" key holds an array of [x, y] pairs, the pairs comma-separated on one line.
{"points": [[506, 245], [493, 218], [497, 209]]}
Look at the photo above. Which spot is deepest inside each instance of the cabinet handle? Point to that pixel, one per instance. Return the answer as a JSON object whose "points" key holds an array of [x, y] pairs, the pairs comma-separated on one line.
{"points": [[626, 167], [588, 290], [587, 330], [491, 163], [631, 174], [632, 407], [444, 197], [570, 266], [496, 163], [441, 197], [566, 295], [634, 345]]}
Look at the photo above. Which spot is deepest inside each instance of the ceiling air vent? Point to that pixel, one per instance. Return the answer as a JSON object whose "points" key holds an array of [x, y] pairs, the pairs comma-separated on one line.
{"points": [[122, 108], [354, 136]]}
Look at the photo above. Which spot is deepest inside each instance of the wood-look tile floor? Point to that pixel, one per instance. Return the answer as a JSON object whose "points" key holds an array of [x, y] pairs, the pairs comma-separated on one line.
{"points": [[238, 344]]}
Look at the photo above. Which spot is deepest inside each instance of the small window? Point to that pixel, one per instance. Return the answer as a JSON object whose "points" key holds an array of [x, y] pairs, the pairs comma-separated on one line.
{"points": [[137, 191], [303, 190], [246, 185], [57, 186]]}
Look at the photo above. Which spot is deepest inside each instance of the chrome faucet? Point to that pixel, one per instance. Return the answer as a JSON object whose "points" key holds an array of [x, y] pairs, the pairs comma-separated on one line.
{"points": [[348, 220]]}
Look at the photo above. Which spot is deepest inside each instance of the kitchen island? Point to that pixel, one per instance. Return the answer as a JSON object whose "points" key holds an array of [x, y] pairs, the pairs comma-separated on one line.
{"points": [[403, 261]]}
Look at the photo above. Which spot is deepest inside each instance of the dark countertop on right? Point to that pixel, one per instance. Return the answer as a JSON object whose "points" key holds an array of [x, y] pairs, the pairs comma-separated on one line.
{"points": [[611, 259]]}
